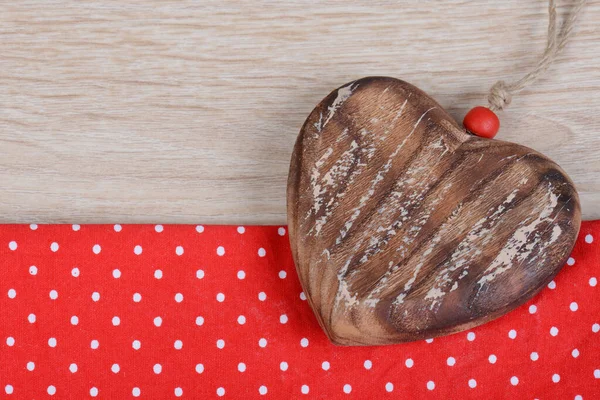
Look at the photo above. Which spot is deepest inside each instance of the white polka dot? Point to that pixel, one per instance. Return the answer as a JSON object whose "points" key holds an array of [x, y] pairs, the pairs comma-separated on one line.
{"points": [[241, 320], [471, 336], [136, 392], [492, 359], [31, 318], [116, 321], [94, 344], [575, 353], [95, 296], [304, 342], [157, 369], [54, 247], [158, 274], [179, 250], [115, 368], [220, 343], [137, 250], [200, 274], [409, 363], [532, 309], [430, 340], [325, 365], [552, 285], [241, 274], [75, 227], [33, 270], [137, 297], [593, 281], [262, 296], [179, 297], [368, 364], [389, 387], [96, 249], [199, 321], [117, 228], [556, 378], [573, 306], [283, 319], [75, 272], [178, 392], [10, 341], [472, 383], [451, 361], [282, 274], [52, 342], [241, 229], [12, 293], [199, 228], [514, 381], [571, 261], [199, 368], [597, 373], [304, 389], [262, 390], [33, 227], [30, 366], [157, 321], [8, 389], [534, 356], [94, 392], [281, 231], [512, 334], [158, 228], [220, 297], [74, 320], [578, 397], [220, 392], [51, 390], [136, 344], [220, 251], [554, 331], [178, 344], [589, 238], [73, 368], [262, 342], [53, 294], [347, 388], [283, 366], [262, 252], [241, 367], [430, 385], [12, 245], [596, 328]]}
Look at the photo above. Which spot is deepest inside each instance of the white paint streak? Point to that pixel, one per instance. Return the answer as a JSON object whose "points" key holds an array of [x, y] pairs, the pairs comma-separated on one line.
{"points": [[343, 94], [517, 246]]}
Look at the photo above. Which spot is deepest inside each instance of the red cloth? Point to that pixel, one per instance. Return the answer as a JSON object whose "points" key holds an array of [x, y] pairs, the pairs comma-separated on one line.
{"points": [[160, 312]]}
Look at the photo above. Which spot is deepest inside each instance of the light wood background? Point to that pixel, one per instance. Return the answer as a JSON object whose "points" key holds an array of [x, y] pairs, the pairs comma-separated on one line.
{"points": [[187, 111]]}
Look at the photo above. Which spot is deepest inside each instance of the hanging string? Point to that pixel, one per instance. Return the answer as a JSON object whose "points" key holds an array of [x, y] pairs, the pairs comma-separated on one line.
{"points": [[501, 93]]}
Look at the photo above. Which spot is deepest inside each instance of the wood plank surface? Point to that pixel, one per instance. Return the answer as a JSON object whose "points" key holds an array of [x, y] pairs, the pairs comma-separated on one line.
{"points": [[187, 111]]}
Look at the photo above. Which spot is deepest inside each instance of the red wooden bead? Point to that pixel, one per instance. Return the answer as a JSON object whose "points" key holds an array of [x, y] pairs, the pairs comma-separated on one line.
{"points": [[482, 121]]}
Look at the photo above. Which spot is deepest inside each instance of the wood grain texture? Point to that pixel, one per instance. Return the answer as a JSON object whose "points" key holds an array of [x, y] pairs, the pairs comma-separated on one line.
{"points": [[405, 227], [187, 111]]}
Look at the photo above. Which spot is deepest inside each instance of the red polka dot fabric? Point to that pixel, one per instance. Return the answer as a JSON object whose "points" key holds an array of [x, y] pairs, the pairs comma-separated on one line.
{"points": [[142, 311]]}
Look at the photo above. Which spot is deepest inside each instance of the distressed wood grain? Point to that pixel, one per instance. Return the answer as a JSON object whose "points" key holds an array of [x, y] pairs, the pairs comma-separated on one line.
{"points": [[187, 111], [405, 227]]}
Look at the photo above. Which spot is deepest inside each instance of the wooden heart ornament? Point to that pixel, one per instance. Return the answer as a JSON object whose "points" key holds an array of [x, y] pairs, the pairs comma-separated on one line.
{"points": [[404, 227]]}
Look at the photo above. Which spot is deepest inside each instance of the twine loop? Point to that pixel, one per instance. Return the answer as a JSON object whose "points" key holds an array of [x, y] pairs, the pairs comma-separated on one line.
{"points": [[501, 93]]}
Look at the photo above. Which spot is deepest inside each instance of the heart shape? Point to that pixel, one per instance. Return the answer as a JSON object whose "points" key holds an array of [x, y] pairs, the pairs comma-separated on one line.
{"points": [[405, 227]]}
